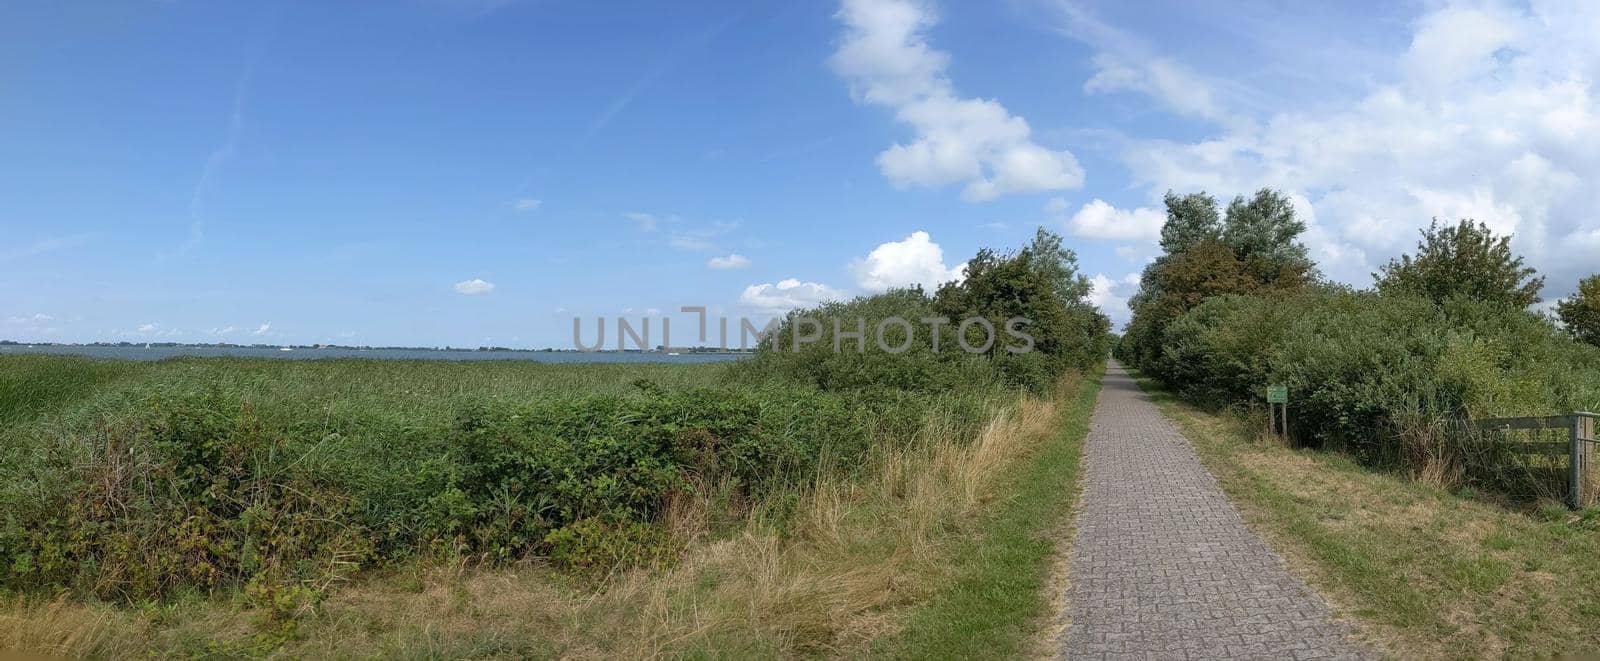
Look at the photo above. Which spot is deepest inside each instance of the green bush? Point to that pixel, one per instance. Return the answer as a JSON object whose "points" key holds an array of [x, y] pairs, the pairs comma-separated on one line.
{"points": [[201, 493], [196, 494], [1390, 378]]}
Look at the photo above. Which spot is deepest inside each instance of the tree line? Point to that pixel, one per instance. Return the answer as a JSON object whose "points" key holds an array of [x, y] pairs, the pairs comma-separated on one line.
{"points": [[1445, 334]]}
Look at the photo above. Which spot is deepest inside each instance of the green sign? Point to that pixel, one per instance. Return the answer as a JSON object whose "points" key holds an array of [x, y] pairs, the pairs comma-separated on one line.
{"points": [[1277, 394]]}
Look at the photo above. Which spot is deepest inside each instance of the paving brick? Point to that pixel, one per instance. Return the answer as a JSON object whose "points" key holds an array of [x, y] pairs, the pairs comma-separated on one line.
{"points": [[1162, 558]]}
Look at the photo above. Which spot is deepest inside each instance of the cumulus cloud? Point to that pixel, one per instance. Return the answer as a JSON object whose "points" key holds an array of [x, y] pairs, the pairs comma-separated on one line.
{"points": [[885, 56], [266, 328], [149, 329], [915, 260], [733, 261], [1488, 113], [788, 295], [1111, 296], [474, 287], [1099, 220], [527, 204]]}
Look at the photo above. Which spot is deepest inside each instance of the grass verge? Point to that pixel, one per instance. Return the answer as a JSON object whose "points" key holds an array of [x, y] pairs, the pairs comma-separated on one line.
{"points": [[996, 604], [1422, 571]]}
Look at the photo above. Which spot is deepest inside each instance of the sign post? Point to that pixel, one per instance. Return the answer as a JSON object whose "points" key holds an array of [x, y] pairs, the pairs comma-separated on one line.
{"points": [[1278, 396]]}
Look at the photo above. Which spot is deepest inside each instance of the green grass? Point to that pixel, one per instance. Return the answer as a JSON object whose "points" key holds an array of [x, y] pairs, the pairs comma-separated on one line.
{"points": [[996, 603], [1424, 572]]}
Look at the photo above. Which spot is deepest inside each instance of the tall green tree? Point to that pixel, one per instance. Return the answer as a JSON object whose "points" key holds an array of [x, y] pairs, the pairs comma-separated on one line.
{"points": [[1581, 312], [1040, 282], [1191, 219], [1058, 265], [1464, 259], [1253, 248], [1263, 232]]}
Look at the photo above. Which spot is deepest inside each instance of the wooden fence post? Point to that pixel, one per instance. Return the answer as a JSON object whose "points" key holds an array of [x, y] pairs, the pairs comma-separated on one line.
{"points": [[1581, 434]]}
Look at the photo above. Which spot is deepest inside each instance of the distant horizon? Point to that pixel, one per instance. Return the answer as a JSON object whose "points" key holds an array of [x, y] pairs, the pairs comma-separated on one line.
{"points": [[167, 343]]}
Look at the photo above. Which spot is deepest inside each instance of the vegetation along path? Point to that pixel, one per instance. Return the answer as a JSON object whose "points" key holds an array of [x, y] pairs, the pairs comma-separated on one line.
{"points": [[1163, 566]]}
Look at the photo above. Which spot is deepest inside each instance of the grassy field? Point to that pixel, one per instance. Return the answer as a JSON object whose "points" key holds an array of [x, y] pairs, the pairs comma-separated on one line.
{"points": [[911, 520], [414, 390], [1423, 572]]}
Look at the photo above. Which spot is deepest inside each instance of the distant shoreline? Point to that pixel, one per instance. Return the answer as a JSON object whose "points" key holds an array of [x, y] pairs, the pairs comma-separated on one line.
{"points": [[346, 347], [162, 351]]}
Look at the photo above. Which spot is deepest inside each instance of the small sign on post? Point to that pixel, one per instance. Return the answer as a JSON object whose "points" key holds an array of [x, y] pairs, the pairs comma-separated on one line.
{"points": [[1278, 397], [1277, 394]]}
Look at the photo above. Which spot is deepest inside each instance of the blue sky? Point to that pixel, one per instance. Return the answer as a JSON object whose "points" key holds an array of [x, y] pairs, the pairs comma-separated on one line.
{"points": [[465, 172]]}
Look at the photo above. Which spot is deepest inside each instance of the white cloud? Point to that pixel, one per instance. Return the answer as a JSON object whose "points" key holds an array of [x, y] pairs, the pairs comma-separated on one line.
{"points": [[1111, 296], [700, 239], [1171, 83], [1489, 112], [788, 295], [266, 328], [474, 287], [683, 235], [916, 260], [885, 56], [527, 204], [36, 318], [1056, 205], [733, 261], [36, 323], [226, 330], [1099, 220], [147, 329]]}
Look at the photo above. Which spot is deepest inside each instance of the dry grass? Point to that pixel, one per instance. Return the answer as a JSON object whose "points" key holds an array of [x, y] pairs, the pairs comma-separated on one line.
{"points": [[1423, 571], [838, 576], [66, 629]]}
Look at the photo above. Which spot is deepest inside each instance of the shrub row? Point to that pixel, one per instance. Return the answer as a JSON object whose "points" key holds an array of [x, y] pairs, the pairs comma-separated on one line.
{"points": [[199, 492], [1388, 377]]}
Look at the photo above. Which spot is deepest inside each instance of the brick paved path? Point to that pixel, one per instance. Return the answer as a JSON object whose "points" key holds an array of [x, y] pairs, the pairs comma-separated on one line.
{"points": [[1163, 567]]}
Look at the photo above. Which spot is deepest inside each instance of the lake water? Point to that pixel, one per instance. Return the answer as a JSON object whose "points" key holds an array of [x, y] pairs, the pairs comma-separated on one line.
{"points": [[158, 353]]}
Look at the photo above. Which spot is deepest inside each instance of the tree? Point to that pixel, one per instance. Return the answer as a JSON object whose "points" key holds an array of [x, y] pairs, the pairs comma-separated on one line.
{"points": [[1581, 312], [1041, 283], [1059, 265], [1465, 259], [1191, 219], [1262, 232], [1254, 249]]}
